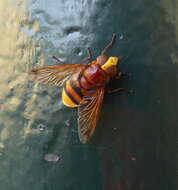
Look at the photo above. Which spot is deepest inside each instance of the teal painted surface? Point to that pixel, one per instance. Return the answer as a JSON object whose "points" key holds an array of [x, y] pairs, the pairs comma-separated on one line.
{"points": [[134, 145]]}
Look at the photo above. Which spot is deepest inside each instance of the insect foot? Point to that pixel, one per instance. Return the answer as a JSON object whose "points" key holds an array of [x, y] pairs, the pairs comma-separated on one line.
{"points": [[121, 74], [131, 92]]}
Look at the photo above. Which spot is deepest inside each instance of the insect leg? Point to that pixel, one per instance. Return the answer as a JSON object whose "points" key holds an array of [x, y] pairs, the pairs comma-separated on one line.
{"points": [[109, 45], [120, 90], [57, 59], [89, 54], [89, 58], [120, 74]]}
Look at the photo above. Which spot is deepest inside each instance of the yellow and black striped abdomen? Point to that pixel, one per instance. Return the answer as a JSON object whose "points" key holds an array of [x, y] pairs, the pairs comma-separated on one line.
{"points": [[71, 95]]}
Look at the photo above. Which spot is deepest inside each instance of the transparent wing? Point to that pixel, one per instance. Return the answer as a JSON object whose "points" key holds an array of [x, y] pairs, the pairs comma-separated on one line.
{"points": [[88, 114], [55, 75]]}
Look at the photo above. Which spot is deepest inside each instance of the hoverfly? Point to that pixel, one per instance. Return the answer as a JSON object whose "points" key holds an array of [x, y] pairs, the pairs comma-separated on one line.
{"points": [[83, 86]]}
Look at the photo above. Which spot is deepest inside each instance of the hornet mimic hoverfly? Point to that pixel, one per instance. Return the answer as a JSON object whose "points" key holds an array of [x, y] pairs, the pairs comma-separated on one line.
{"points": [[83, 85]]}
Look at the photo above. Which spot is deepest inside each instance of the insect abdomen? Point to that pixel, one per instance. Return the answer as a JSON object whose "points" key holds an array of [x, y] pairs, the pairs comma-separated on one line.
{"points": [[71, 95], [85, 85]]}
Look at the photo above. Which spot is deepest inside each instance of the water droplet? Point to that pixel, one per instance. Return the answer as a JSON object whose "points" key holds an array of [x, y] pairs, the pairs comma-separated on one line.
{"points": [[80, 53], [67, 123], [133, 158], [51, 157], [41, 127], [121, 37]]}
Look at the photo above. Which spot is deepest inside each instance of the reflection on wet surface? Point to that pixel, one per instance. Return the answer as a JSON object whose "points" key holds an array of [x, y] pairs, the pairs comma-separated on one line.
{"points": [[134, 146], [51, 157]]}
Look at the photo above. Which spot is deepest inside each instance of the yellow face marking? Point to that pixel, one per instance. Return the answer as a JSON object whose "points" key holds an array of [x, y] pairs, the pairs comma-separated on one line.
{"points": [[112, 61], [67, 101]]}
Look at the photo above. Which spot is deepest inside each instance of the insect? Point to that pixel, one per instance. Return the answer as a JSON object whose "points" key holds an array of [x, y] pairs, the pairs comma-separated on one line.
{"points": [[83, 86]]}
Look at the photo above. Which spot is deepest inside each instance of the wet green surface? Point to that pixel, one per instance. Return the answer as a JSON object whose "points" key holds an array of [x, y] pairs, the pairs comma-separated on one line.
{"points": [[134, 146]]}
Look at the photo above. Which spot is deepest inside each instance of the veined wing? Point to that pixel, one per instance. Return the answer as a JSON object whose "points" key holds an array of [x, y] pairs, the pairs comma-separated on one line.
{"points": [[55, 75], [88, 114]]}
